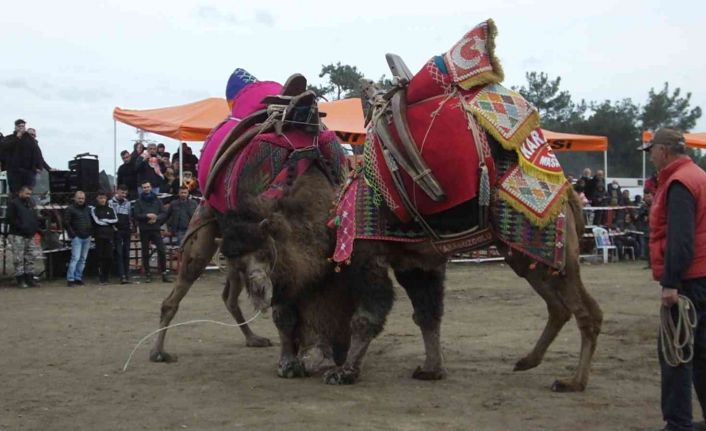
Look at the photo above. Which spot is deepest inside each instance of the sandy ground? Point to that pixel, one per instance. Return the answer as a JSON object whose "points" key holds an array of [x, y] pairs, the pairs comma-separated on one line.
{"points": [[63, 349]]}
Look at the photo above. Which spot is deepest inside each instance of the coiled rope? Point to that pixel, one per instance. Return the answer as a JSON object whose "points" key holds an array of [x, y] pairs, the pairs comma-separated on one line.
{"points": [[678, 338]]}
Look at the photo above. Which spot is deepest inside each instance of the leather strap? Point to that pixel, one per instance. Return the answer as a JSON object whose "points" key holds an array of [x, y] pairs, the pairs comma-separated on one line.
{"points": [[423, 175]]}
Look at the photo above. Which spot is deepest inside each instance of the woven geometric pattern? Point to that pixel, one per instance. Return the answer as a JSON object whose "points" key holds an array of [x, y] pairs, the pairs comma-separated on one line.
{"points": [[505, 111], [536, 195], [471, 61], [514, 228]]}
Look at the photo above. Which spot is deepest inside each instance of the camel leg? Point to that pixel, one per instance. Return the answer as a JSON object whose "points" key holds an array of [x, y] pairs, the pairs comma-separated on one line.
{"points": [[231, 291], [426, 291], [285, 318], [589, 319], [198, 249], [369, 283], [557, 312]]}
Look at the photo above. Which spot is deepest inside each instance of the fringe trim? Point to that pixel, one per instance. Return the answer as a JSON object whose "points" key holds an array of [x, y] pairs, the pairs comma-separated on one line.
{"points": [[497, 75], [513, 143], [537, 172], [541, 222]]}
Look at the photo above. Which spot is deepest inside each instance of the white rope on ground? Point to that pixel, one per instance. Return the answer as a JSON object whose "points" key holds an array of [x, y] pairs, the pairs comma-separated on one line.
{"points": [[230, 325], [675, 337]]}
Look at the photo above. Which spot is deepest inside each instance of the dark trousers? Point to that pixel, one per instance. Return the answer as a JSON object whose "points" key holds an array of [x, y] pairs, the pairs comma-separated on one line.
{"points": [[16, 179], [155, 237], [677, 381], [122, 252], [104, 255]]}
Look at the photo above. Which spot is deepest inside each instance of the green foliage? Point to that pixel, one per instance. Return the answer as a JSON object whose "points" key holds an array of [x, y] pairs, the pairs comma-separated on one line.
{"points": [[343, 81], [665, 110], [621, 121]]}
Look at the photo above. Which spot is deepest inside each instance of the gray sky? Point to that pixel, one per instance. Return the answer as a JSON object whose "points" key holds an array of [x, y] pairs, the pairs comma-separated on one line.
{"points": [[66, 65]]}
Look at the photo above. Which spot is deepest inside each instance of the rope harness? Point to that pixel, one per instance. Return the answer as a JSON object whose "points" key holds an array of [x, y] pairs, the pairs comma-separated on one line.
{"points": [[678, 338]]}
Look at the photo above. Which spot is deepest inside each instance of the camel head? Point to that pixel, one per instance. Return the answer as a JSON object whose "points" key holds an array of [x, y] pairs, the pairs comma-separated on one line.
{"points": [[250, 239]]}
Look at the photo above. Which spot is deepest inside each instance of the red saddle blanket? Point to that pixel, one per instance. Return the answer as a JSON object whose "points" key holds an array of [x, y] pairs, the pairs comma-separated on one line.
{"points": [[447, 137]]}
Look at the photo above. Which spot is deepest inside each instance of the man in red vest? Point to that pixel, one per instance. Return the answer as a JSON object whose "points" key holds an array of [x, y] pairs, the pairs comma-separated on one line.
{"points": [[677, 226]]}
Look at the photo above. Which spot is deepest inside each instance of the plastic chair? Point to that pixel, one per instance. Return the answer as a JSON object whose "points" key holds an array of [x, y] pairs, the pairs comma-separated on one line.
{"points": [[603, 243]]}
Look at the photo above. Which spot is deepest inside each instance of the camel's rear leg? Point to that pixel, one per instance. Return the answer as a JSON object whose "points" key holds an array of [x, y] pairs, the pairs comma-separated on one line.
{"points": [[231, 291], [558, 313], [197, 250], [426, 291]]}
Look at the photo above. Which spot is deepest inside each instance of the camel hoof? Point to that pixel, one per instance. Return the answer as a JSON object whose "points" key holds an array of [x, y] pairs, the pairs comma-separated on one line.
{"points": [[291, 369], [525, 364], [162, 357], [421, 374], [258, 341], [340, 376], [562, 386]]}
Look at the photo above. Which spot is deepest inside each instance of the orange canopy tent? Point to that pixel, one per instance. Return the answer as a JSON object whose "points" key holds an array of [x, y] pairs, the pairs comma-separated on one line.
{"points": [[194, 121], [696, 140]]}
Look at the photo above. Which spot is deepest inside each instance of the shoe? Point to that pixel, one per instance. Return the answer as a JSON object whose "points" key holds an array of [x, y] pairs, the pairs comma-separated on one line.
{"points": [[165, 277], [29, 279], [124, 280], [21, 283], [71, 283], [78, 283], [148, 278], [102, 282]]}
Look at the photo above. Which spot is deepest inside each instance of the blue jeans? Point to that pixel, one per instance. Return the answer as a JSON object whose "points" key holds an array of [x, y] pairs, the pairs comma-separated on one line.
{"points": [[677, 381], [180, 234], [122, 251], [79, 252]]}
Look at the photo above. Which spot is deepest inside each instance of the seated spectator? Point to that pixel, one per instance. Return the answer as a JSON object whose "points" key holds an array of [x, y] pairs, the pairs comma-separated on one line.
{"points": [[190, 160], [161, 152], [191, 183], [171, 182], [180, 213], [150, 169]]}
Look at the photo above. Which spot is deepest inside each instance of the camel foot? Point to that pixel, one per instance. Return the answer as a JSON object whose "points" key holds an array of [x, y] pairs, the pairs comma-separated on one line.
{"points": [[258, 341], [422, 374], [567, 386], [340, 376], [162, 357], [315, 362], [291, 369], [525, 364]]}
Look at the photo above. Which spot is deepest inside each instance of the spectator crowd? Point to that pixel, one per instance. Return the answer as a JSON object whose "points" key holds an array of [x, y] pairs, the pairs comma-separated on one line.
{"points": [[108, 223]]}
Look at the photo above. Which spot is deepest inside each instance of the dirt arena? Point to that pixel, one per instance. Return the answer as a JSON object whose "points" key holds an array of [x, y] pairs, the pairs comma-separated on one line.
{"points": [[63, 349]]}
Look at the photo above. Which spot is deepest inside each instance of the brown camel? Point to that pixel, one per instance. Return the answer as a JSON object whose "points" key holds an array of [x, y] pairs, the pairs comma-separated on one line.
{"points": [[283, 247]]}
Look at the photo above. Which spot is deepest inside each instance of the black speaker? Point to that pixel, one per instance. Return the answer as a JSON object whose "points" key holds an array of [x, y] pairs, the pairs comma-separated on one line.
{"points": [[59, 186], [84, 173]]}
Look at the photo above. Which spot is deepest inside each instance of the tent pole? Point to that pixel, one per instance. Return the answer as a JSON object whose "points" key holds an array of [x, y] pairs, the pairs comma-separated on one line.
{"points": [[605, 164], [115, 153], [643, 168], [181, 163]]}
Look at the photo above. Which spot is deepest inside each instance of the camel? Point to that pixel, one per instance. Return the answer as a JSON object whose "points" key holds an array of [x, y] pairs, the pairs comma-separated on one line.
{"points": [[420, 267], [327, 166], [283, 245]]}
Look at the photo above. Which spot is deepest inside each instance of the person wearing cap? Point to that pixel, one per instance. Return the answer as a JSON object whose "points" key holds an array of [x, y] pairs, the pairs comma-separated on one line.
{"points": [[677, 224], [22, 158]]}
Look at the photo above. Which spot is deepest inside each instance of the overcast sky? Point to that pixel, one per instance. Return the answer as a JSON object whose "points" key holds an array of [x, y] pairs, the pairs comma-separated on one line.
{"points": [[66, 65]]}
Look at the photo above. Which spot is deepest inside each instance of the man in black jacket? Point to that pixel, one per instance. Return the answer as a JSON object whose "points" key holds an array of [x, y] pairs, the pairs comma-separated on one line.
{"points": [[127, 174], [180, 213], [150, 215], [104, 221], [77, 221], [24, 223], [23, 159], [123, 210]]}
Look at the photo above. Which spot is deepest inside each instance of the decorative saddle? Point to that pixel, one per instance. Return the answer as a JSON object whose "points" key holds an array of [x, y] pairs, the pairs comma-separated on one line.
{"points": [[433, 141], [272, 136]]}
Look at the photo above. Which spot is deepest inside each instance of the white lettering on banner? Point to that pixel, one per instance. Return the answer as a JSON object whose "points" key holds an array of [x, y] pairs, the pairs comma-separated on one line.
{"points": [[528, 148], [550, 162], [537, 138]]}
